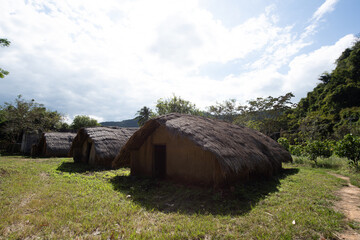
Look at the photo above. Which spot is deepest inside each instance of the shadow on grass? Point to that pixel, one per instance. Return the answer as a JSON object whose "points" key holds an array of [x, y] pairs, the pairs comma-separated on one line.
{"points": [[169, 197], [74, 167]]}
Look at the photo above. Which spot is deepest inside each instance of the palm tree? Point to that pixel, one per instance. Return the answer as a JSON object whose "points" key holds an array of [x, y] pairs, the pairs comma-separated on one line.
{"points": [[143, 115]]}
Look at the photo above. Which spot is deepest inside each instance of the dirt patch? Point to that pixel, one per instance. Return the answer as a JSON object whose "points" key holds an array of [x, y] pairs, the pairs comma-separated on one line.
{"points": [[349, 204]]}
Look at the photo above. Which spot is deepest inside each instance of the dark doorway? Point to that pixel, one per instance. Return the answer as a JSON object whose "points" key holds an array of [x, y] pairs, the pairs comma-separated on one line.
{"points": [[159, 166], [88, 150]]}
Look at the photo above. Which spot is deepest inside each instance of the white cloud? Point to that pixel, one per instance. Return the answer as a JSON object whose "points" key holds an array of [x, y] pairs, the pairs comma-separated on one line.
{"points": [[326, 7], [108, 59], [305, 69]]}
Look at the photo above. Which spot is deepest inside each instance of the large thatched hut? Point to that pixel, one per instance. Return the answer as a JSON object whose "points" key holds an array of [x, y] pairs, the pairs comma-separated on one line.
{"points": [[54, 144], [98, 146], [202, 151]]}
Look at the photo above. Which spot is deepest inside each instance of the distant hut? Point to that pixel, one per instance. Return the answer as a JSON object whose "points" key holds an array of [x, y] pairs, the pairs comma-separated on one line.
{"points": [[98, 146], [201, 151], [54, 144], [28, 139]]}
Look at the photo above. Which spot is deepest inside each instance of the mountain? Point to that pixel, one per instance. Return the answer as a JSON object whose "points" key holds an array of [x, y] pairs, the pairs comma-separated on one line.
{"points": [[124, 123], [332, 108]]}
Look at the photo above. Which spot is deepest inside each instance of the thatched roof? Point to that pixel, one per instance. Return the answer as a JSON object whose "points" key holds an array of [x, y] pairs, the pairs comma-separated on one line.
{"points": [[107, 142], [55, 144], [237, 148]]}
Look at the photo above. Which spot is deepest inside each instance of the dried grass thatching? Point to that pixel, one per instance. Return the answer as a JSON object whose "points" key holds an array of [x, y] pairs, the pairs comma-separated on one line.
{"points": [[237, 149], [98, 146], [28, 139], [54, 144]]}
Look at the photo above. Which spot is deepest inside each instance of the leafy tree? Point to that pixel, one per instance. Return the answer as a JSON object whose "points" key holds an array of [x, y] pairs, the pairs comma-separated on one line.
{"points": [[284, 142], [22, 116], [268, 115], [349, 147], [316, 148], [81, 121], [4, 43], [331, 109], [176, 105], [143, 115], [296, 150], [226, 111]]}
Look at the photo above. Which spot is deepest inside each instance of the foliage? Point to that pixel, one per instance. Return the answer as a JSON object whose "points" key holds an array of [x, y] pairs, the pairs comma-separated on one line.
{"points": [[226, 111], [268, 115], [331, 109], [176, 105], [22, 116], [4, 43], [284, 142], [316, 148], [296, 150], [81, 121], [349, 147], [143, 115]]}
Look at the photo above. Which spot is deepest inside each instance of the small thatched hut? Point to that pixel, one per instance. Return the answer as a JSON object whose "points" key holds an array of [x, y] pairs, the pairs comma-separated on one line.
{"points": [[98, 146], [54, 144], [28, 139], [202, 151]]}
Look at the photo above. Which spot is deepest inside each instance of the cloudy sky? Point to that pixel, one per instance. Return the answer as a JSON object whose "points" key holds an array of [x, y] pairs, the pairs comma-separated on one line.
{"points": [[109, 58]]}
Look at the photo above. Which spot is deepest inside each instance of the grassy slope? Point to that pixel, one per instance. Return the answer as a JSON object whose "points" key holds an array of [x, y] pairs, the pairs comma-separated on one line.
{"points": [[55, 198]]}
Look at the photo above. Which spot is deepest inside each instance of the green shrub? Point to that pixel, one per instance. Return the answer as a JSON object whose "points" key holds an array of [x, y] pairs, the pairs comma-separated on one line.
{"points": [[296, 150], [349, 147], [284, 142], [316, 148]]}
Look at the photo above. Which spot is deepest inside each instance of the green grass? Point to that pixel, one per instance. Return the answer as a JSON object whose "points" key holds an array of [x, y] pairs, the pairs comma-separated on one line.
{"points": [[58, 199], [332, 164]]}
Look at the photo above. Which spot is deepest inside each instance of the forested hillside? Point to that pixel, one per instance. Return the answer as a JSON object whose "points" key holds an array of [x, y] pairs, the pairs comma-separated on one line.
{"points": [[332, 109]]}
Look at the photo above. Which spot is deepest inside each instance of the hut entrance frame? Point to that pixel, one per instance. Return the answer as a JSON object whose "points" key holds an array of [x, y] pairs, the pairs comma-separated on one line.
{"points": [[88, 151], [159, 161]]}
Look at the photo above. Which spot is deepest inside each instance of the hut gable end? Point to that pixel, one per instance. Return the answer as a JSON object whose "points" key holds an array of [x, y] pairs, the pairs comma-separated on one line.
{"points": [[99, 145]]}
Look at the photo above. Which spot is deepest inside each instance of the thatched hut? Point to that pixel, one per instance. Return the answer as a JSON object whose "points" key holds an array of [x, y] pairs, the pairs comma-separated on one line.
{"points": [[28, 139], [201, 151], [54, 144], [98, 146]]}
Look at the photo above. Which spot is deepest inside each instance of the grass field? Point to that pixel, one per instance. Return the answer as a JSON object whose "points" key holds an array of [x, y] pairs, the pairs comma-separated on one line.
{"points": [[58, 199]]}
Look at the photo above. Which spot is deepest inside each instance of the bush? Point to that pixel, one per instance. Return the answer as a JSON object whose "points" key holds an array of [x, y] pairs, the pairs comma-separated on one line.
{"points": [[296, 150], [349, 147], [315, 149], [284, 142]]}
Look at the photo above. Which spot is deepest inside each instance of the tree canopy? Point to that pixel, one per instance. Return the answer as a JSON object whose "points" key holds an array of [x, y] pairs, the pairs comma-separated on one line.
{"points": [[176, 104], [81, 121], [22, 116], [143, 115], [4, 43], [332, 108]]}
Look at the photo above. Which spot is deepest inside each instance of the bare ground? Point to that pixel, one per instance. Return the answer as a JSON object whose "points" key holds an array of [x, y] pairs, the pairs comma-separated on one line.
{"points": [[349, 204]]}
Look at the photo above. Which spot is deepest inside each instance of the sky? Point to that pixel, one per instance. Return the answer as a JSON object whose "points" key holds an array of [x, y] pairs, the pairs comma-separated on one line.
{"points": [[107, 59]]}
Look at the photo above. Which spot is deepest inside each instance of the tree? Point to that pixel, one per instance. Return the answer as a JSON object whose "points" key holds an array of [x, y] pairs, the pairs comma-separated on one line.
{"points": [[332, 108], [4, 43], [226, 111], [349, 147], [267, 115], [176, 105], [143, 115], [81, 121], [22, 116], [316, 148]]}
